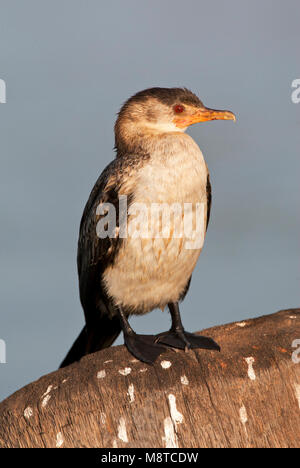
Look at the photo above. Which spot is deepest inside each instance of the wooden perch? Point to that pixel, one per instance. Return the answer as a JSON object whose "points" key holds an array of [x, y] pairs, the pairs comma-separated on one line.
{"points": [[246, 396]]}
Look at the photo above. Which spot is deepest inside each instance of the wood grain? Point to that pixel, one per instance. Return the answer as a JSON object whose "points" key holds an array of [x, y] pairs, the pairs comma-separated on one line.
{"points": [[246, 396]]}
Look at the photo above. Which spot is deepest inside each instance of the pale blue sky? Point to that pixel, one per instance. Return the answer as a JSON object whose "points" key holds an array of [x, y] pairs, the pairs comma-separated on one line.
{"points": [[68, 65]]}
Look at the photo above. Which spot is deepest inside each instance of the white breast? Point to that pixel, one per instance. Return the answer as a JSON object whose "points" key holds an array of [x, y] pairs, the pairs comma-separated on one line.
{"points": [[150, 272]]}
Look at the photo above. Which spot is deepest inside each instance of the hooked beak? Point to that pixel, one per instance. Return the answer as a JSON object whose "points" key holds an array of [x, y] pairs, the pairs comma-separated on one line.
{"points": [[203, 115]]}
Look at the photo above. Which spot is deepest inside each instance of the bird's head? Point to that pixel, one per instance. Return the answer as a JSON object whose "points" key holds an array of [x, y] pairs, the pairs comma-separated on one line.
{"points": [[163, 110]]}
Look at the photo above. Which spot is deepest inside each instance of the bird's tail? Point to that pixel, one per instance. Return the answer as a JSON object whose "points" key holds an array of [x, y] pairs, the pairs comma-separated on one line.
{"points": [[101, 335]]}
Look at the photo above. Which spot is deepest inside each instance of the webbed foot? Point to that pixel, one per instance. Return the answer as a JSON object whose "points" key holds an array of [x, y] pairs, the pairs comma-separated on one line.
{"points": [[184, 340], [143, 347]]}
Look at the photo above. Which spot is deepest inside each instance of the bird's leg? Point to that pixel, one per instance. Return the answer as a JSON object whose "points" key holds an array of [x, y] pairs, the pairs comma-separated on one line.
{"points": [[124, 323], [177, 337], [143, 347]]}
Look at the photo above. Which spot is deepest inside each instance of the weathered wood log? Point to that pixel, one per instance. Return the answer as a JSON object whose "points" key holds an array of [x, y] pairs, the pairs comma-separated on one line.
{"points": [[246, 396]]}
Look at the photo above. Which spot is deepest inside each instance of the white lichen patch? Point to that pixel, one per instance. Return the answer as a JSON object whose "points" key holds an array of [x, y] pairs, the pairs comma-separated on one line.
{"points": [[122, 433], [101, 374], [241, 324], [184, 380], [45, 401], [130, 393], [110, 360], [46, 396], [250, 361], [28, 412], [125, 371], [143, 370], [297, 393], [176, 416], [103, 418], [243, 415], [47, 391], [59, 440], [170, 438], [165, 364]]}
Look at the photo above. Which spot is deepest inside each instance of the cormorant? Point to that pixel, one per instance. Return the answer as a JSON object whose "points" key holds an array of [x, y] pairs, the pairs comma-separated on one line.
{"points": [[121, 270]]}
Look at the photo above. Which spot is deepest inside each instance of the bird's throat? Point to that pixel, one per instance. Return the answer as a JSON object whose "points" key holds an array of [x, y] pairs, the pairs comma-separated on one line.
{"points": [[142, 138]]}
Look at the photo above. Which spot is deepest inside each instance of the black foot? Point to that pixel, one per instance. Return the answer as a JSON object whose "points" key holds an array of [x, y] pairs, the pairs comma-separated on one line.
{"points": [[186, 340], [143, 347]]}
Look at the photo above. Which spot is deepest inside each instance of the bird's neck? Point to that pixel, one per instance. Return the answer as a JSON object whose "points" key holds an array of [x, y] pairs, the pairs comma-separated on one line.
{"points": [[138, 138]]}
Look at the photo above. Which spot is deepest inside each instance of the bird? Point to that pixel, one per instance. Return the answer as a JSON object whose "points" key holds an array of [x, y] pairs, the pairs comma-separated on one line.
{"points": [[122, 272]]}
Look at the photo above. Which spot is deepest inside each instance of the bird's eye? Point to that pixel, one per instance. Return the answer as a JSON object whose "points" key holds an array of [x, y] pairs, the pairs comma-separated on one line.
{"points": [[178, 109]]}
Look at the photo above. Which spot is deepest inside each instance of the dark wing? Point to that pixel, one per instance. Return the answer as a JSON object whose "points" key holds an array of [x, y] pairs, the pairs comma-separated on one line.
{"points": [[208, 197], [95, 253]]}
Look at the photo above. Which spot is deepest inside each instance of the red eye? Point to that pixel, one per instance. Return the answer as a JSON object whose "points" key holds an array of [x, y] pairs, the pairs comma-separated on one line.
{"points": [[178, 109]]}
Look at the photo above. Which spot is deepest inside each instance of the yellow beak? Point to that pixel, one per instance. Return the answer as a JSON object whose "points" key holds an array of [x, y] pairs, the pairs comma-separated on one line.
{"points": [[203, 115]]}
